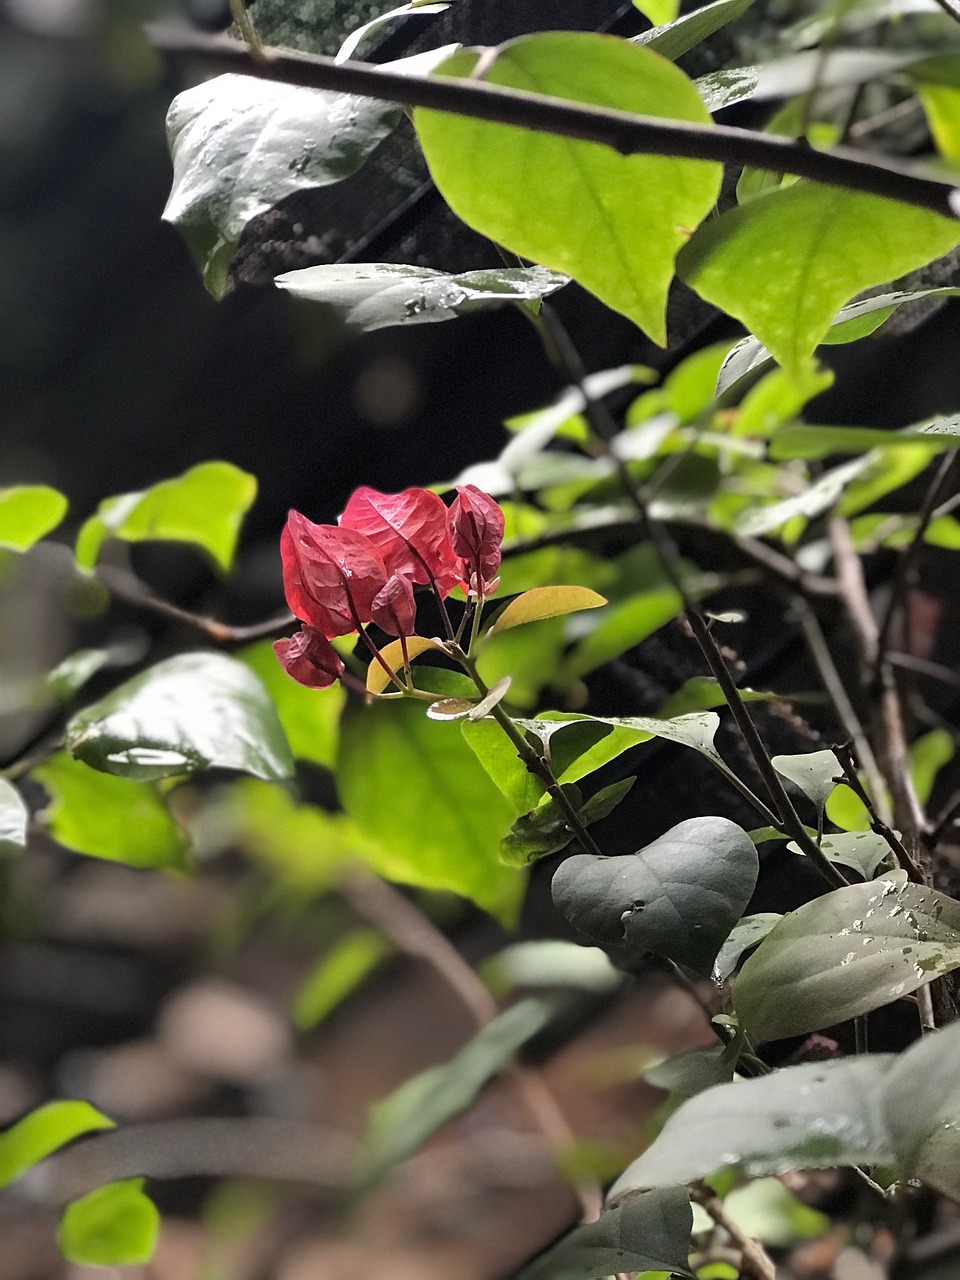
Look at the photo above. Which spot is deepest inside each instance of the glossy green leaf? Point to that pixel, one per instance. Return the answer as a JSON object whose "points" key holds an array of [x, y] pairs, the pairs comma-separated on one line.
{"points": [[678, 897], [416, 790], [341, 971], [14, 817], [240, 145], [865, 851], [846, 953], [205, 506], [724, 88], [190, 712], [114, 1226], [813, 1116], [551, 963], [76, 669], [415, 1111], [820, 442], [921, 1106], [27, 514], [379, 295], [44, 1131], [677, 38], [645, 1231], [815, 773], [310, 719], [614, 223], [746, 933], [784, 264], [779, 397], [768, 1211], [106, 817], [545, 602]]}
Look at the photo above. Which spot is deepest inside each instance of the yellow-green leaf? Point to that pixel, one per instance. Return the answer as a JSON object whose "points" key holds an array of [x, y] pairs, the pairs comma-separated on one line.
{"points": [[378, 681], [27, 513], [545, 602], [42, 1132], [114, 1226]]}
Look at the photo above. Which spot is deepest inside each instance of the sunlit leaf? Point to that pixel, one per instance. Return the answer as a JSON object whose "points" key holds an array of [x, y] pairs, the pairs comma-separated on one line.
{"points": [[42, 1132], [115, 1225], [678, 897], [190, 712], [205, 506], [813, 1116], [415, 1111], [812, 501], [612, 222], [14, 816], [643, 1232], [341, 971], [378, 295], [846, 953], [310, 719], [815, 773], [768, 1211], [820, 442], [659, 12], [27, 514], [378, 677], [928, 755], [106, 817], [545, 602], [677, 38], [784, 264]]}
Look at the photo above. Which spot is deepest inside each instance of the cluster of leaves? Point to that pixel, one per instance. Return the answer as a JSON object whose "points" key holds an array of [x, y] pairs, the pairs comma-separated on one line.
{"points": [[719, 445]]}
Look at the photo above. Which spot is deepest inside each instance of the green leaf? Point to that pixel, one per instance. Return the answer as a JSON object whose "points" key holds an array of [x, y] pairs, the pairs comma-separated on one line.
{"points": [[112, 818], [310, 720], [779, 397], [747, 933], [415, 789], [27, 514], [843, 954], [724, 88], [679, 37], [678, 897], [205, 506], [241, 145], [921, 1106], [659, 12], [862, 850], [692, 1072], [612, 222], [544, 830], [768, 1211], [812, 501], [622, 626], [550, 963], [820, 442], [190, 712], [784, 264], [116, 1225], [76, 669], [815, 773], [847, 810], [928, 755], [647, 1231], [813, 1116], [545, 602], [340, 972], [14, 816], [42, 1132], [377, 295], [415, 1111]]}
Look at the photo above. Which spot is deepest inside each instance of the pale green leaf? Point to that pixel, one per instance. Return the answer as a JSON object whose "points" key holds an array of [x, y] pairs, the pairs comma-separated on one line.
{"points": [[551, 962], [42, 1132], [659, 12], [116, 1225], [614, 223], [815, 773], [783, 265], [340, 972], [768, 1211], [862, 850], [190, 712], [27, 514], [928, 755], [205, 506], [921, 1106], [820, 442]]}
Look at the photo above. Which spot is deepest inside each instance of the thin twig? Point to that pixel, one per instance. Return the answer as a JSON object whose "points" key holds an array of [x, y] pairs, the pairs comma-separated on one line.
{"points": [[951, 8], [626, 133], [848, 767], [755, 1262]]}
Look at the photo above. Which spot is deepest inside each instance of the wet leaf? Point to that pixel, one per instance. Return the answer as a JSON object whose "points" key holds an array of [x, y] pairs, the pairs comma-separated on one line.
{"points": [[44, 1131], [378, 295], [190, 712], [862, 850], [678, 897], [612, 222], [27, 514], [747, 933], [646, 1231], [116, 1225], [813, 1116], [14, 817], [105, 817], [205, 506], [545, 602], [921, 1106], [841, 955]]}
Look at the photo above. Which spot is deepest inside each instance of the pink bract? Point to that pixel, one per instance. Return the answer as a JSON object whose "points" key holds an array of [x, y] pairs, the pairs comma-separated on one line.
{"points": [[309, 658], [476, 526], [330, 575]]}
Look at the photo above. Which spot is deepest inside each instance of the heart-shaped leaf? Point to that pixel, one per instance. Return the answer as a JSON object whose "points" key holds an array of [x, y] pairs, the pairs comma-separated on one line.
{"points": [[612, 222], [785, 263], [191, 712], [648, 1231], [814, 772], [843, 954], [377, 295], [545, 602], [862, 850], [678, 897]]}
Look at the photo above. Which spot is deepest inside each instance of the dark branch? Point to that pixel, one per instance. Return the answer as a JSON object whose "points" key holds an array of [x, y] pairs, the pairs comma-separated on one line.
{"points": [[626, 133]]}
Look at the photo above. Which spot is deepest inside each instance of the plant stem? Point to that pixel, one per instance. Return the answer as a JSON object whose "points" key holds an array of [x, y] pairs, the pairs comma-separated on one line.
{"points": [[755, 1262]]}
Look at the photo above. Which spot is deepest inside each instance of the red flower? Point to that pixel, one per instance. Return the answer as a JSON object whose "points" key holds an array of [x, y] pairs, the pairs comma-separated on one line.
{"points": [[309, 658], [330, 575], [394, 609], [410, 530], [476, 527]]}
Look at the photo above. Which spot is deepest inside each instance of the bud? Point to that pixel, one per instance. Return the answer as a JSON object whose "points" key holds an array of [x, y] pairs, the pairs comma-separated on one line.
{"points": [[394, 609], [476, 528], [309, 658]]}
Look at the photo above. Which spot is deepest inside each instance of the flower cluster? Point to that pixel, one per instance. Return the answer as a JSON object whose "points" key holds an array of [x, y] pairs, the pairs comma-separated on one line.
{"points": [[338, 578]]}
